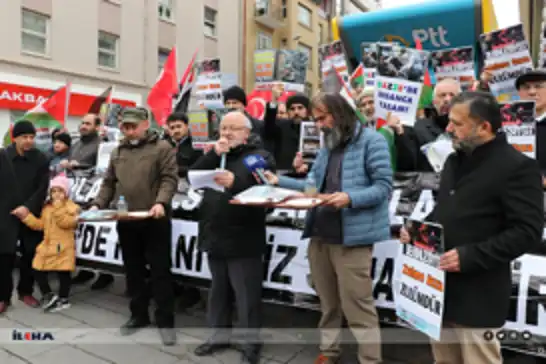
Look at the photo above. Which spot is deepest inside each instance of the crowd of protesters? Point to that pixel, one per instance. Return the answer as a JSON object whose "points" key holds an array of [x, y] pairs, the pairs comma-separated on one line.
{"points": [[490, 204]]}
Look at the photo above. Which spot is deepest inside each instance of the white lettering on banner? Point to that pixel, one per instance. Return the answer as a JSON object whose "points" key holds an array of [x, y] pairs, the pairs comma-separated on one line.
{"points": [[21, 97], [424, 205], [528, 308], [508, 49]]}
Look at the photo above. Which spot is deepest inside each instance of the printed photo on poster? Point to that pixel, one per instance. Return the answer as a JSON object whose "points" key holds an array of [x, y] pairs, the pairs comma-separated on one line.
{"points": [[425, 235], [519, 125], [291, 66], [310, 140], [494, 42], [331, 50], [370, 55], [209, 66], [455, 63], [396, 61]]}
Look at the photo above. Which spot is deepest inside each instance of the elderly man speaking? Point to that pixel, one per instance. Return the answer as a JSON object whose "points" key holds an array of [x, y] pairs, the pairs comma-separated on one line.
{"points": [[234, 238]]}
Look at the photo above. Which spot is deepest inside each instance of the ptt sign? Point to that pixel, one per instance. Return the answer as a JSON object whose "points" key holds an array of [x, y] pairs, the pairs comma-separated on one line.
{"points": [[436, 36]]}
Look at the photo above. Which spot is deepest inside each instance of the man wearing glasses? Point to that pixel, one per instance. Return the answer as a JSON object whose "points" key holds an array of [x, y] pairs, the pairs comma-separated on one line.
{"points": [[531, 86]]}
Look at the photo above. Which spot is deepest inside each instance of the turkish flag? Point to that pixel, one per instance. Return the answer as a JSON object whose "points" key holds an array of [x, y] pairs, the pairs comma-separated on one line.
{"points": [[258, 99], [160, 98]]}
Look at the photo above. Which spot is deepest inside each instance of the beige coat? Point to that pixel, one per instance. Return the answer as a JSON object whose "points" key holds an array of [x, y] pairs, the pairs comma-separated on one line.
{"points": [[57, 252]]}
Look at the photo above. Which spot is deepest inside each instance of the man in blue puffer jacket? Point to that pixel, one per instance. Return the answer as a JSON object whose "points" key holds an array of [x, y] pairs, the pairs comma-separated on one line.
{"points": [[353, 174]]}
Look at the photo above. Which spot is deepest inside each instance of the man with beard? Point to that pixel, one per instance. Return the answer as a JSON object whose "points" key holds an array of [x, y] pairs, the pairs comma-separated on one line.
{"points": [[284, 134], [24, 180], [490, 206], [180, 137], [84, 154], [366, 105], [354, 178], [234, 238], [409, 140], [531, 86]]}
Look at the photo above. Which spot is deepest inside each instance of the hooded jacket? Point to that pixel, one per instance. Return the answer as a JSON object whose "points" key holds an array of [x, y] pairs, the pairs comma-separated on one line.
{"points": [[226, 230]]}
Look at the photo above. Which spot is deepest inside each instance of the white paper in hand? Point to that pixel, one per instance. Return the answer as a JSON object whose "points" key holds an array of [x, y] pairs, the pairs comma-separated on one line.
{"points": [[204, 179], [437, 152]]}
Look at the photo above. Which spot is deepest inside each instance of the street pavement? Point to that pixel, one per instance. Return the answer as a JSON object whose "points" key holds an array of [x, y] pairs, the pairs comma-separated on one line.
{"points": [[87, 333]]}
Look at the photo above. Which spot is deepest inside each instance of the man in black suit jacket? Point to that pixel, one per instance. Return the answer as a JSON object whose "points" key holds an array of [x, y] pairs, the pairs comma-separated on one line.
{"points": [[490, 206], [180, 137]]}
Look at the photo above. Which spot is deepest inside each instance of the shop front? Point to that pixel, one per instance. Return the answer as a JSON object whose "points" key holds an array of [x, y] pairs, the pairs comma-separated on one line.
{"points": [[19, 94]]}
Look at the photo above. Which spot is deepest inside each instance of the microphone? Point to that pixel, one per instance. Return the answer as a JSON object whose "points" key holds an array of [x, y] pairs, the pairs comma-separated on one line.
{"points": [[223, 161], [256, 163]]}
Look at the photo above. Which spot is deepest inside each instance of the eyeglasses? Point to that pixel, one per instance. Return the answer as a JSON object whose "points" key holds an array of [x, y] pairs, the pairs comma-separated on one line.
{"points": [[231, 128]]}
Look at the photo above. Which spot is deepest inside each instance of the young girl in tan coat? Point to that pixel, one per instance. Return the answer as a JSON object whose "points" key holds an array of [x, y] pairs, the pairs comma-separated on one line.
{"points": [[57, 252]]}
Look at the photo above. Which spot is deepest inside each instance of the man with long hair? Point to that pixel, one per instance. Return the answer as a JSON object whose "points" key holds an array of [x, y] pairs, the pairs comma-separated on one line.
{"points": [[354, 178]]}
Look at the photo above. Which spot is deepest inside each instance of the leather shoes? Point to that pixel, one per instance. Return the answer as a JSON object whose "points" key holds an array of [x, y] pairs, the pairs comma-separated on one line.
{"points": [[168, 336], [210, 348], [251, 354], [133, 325], [3, 307], [30, 301]]}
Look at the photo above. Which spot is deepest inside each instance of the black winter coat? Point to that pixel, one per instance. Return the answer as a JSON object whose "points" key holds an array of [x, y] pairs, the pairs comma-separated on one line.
{"points": [[409, 156], [28, 187], [226, 230], [491, 207], [186, 156]]}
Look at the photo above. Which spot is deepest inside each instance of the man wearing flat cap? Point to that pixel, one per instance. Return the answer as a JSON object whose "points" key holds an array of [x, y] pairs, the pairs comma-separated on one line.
{"points": [[24, 179], [143, 170], [531, 86]]}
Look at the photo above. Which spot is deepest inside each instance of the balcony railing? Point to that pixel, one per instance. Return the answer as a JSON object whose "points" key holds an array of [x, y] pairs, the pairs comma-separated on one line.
{"points": [[270, 13]]}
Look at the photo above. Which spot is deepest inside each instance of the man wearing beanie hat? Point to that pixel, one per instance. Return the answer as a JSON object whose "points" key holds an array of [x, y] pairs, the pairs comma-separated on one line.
{"points": [[61, 151], [284, 134], [531, 86], [24, 178]]}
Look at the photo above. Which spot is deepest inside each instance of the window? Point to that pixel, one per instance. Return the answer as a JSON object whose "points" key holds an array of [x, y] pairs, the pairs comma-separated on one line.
{"points": [[307, 51], [165, 9], [162, 56], [264, 41], [309, 89], [284, 8], [304, 16], [108, 50], [210, 22], [34, 32]]}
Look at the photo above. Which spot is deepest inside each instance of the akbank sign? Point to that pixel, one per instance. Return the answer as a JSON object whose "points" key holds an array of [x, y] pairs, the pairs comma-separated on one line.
{"points": [[438, 24]]}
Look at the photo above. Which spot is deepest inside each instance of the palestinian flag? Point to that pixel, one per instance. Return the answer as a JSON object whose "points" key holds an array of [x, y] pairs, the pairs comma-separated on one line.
{"points": [[182, 101], [382, 129], [357, 78], [101, 102], [427, 91], [46, 116]]}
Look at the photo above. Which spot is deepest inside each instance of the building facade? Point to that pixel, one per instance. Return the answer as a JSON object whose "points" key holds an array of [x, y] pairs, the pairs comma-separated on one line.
{"points": [[294, 24], [98, 43]]}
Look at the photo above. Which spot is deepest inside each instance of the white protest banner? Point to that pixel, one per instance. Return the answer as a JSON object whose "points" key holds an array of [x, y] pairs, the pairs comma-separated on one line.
{"points": [[208, 85], [420, 289], [455, 63], [507, 56], [519, 124], [398, 81]]}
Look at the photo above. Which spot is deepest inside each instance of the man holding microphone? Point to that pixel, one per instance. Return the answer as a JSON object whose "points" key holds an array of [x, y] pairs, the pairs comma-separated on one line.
{"points": [[234, 238], [143, 170]]}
